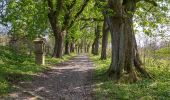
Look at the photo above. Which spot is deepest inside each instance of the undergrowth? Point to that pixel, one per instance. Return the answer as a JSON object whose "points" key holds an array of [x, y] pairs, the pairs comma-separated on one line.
{"points": [[154, 89], [20, 67]]}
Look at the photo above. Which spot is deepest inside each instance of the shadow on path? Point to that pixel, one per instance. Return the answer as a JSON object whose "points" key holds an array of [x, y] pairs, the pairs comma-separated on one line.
{"points": [[70, 80]]}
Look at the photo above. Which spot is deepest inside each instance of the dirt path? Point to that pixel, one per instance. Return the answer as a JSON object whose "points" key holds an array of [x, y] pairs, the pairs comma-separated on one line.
{"points": [[71, 80]]}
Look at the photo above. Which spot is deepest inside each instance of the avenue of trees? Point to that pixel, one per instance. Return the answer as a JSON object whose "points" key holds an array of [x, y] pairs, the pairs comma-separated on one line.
{"points": [[86, 25]]}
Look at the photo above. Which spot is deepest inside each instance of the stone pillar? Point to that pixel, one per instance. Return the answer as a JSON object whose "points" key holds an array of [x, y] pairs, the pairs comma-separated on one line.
{"points": [[39, 44]]}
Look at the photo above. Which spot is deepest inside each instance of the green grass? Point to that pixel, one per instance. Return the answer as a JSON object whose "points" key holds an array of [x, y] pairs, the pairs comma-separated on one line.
{"points": [[155, 89], [54, 61], [15, 68]]}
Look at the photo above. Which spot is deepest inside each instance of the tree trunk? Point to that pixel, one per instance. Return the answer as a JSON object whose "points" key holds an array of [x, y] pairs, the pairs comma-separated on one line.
{"points": [[58, 34], [95, 45], [53, 16], [76, 47], [92, 48], [125, 57], [67, 49], [79, 49], [104, 41], [88, 47], [72, 47], [85, 49], [58, 46]]}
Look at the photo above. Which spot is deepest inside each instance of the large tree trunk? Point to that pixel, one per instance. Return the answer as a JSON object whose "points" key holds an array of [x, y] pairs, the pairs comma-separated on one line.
{"points": [[125, 57], [57, 32], [95, 45], [58, 46], [58, 36], [104, 41]]}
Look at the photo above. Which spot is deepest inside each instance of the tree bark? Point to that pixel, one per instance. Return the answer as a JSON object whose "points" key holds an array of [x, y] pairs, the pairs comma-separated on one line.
{"points": [[67, 49], [88, 47], [72, 47], [104, 41], [58, 46], [95, 45], [78, 49], [55, 10], [58, 33], [125, 56]]}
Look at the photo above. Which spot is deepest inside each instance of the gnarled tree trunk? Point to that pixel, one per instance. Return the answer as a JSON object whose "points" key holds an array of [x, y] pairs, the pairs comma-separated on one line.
{"points": [[125, 57]]}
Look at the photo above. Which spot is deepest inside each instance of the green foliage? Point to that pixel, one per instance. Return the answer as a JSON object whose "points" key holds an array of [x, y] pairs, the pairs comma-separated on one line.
{"points": [[156, 89], [163, 52], [150, 18], [26, 18], [8, 56]]}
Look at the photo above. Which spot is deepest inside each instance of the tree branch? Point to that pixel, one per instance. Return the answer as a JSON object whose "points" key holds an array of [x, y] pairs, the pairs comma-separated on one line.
{"points": [[67, 14], [79, 12], [58, 7]]}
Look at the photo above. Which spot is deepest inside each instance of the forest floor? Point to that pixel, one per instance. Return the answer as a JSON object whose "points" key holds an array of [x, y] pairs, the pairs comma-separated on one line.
{"points": [[70, 80]]}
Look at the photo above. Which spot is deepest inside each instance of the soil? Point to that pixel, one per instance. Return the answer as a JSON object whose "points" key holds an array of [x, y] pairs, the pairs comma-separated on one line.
{"points": [[70, 80]]}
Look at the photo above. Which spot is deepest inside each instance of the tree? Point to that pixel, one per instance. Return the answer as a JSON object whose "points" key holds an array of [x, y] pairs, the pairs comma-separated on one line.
{"points": [[71, 10], [125, 56], [95, 45], [25, 20], [105, 32]]}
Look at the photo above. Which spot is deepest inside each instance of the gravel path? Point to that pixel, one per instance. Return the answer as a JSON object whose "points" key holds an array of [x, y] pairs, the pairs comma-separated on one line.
{"points": [[70, 80]]}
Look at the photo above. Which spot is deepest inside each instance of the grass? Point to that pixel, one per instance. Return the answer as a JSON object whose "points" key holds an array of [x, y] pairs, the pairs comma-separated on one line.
{"points": [[16, 68], [155, 89]]}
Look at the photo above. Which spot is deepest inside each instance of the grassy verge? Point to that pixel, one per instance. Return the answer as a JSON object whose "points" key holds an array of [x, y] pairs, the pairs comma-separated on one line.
{"points": [[16, 68], [156, 89]]}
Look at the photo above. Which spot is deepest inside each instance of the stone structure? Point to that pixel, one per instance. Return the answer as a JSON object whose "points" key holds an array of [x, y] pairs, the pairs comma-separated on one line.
{"points": [[39, 44], [4, 40]]}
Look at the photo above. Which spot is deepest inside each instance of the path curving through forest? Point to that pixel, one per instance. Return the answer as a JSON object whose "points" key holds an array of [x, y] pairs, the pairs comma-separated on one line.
{"points": [[70, 80]]}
